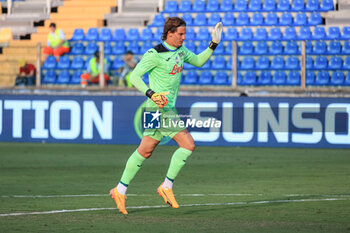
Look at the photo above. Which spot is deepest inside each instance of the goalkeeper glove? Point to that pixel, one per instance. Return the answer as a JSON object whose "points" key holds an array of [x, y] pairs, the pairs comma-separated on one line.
{"points": [[159, 99], [216, 36]]}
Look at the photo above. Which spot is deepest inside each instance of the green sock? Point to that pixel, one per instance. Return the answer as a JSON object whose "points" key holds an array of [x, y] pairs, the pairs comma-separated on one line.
{"points": [[132, 167], [177, 162]]}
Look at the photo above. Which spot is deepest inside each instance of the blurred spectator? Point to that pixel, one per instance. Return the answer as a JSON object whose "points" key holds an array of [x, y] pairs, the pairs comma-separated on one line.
{"points": [[126, 69], [93, 71], [57, 44], [27, 72]]}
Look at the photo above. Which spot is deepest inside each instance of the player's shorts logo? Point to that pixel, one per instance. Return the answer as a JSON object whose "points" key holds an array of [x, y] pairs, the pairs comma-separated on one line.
{"points": [[151, 120]]}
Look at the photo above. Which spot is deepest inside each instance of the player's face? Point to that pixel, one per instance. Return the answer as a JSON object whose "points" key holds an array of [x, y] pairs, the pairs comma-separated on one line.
{"points": [[177, 38]]}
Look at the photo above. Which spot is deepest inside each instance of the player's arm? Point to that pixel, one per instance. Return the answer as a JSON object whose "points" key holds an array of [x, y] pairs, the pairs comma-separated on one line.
{"points": [[200, 59], [147, 63]]}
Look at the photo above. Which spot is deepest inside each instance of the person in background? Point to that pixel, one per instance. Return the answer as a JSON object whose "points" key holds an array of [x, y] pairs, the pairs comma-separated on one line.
{"points": [[126, 69], [57, 44], [93, 71], [27, 72]]}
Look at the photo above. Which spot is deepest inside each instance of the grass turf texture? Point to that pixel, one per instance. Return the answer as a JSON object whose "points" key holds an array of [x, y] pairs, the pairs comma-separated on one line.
{"points": [[261, 173]]}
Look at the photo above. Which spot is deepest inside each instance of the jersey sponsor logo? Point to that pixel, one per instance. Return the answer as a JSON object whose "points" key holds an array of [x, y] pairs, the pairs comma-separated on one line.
{"points": [[176, 69]]}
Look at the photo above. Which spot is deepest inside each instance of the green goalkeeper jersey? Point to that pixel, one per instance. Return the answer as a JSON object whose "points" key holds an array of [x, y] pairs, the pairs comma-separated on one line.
{"points": [[164, 65]]}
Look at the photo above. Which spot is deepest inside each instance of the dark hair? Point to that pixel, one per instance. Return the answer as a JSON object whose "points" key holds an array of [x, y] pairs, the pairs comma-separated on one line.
{"points": [[97, 54], [171, 25], [52, 25], [129, 52]]}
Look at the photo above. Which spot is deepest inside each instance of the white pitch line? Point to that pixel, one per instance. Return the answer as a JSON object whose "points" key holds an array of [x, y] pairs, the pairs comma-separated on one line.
{"points": [[163, 206]]}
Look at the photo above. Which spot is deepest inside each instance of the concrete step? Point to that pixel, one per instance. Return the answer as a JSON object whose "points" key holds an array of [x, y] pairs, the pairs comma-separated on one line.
{"points": [[84, 11], [29, 10], [7, 80], [90, 3], [23, 17], [16, 50], [16, 57]]}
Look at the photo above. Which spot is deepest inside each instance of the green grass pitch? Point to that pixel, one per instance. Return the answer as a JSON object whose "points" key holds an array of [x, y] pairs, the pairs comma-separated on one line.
{"points": [[239, 190]]}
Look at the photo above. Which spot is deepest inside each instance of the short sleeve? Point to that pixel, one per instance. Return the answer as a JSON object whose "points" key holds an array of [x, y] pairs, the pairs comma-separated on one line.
{"points": [[148, 61], [62, 36]]}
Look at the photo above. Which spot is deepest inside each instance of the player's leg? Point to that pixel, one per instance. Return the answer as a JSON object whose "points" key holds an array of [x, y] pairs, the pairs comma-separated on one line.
{"points": [[47, 51], [84, 79], [133, 165], [178, 160]]}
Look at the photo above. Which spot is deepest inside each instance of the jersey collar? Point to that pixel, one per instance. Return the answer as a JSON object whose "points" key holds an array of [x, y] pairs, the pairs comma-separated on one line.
{"points": [[169, 47]]}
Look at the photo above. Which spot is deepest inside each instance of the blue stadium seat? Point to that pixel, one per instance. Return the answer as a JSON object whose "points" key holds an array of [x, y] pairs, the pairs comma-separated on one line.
{"points": [[87, 62], [249, 78], [246, 34], [264, 78], [334, 47], [337, 78], [279, 78], [333, 33], [271, 19], [76, 77], [146, 46], [290, 33], [198, 6], [327, 5], [170, 6], [319, 33], [231, 34], [200, 20], [260, 34], [322, 78], [293, 78], [105, 34], [228, 48], [228, 19], [292, 63], [219, 49], [133, 46], [300, 19], [242, 19], [309, 62], [49, 77], [241, 5], [308, 47], [107, 48], [298, 5], [201, 47], [262, 63], [254, 5], [246, 47], [78, 34], [275, 34], [304, 33], [63, 63], [286, 19], [257, 19], [92, 34], [212, 5], [315, 18], [205, 78], [203, 34], [218, 62], [77, 63], [320, 47], [277, 63], [190, 45], [346, 33], [214, 18], [146, 34], [119, 34], [229, 63], [346, 64], [312, 5], [117, 63], [283, 5], [77, 48], [207, 65], [91, 48], [291, 47], [190, 77], [220, 78], [269, 5], [347, 79], [63, 77], [185, 6], [346, 47], [320, 63], [226, 5], [158, 20], [118, 48], [310, 77], [50, 63], [133, 34], [190, 34], [335, 63], [247, 63], [188, 19], [276, 47], [261, 47]]}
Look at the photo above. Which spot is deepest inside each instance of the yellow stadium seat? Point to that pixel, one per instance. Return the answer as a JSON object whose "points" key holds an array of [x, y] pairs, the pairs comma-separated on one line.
{"points": [[5, 34]]}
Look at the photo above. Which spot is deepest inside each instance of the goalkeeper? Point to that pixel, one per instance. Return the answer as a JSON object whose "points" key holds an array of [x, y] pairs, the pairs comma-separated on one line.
{"points": [[164, 65]]}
